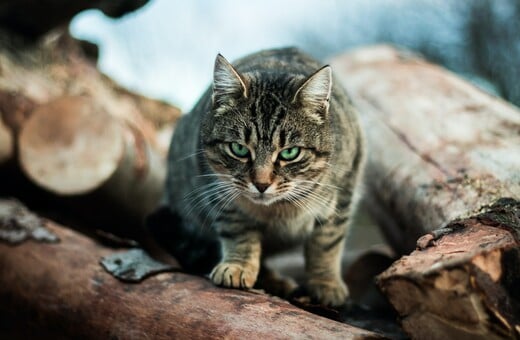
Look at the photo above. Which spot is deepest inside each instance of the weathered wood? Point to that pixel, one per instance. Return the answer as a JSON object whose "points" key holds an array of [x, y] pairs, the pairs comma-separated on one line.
{"points": [[463, 284], [440, 151], [61, 291], [75, 131], [55, 67], [439, 148], [71, 146]]}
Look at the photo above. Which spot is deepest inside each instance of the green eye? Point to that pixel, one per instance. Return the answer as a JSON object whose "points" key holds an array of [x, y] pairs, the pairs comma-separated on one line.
{"points": [[290, 154], [239, 150]]}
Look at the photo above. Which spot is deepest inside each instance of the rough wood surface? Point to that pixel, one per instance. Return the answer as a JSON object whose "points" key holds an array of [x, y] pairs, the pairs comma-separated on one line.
{"points": [[439, 148], [463, 284], [61, 291], [440, 153]]}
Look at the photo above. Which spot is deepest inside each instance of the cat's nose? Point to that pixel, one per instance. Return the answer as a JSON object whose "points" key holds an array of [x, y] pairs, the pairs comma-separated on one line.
{"points": [[261, 186]]}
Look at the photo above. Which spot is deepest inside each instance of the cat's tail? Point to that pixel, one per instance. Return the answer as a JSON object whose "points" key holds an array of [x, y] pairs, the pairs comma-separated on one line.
{"points": [[195, 253]]}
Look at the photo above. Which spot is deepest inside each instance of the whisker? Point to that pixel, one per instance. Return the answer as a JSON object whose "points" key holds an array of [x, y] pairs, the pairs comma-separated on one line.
{"points": [[196, 153], [206, 198]]}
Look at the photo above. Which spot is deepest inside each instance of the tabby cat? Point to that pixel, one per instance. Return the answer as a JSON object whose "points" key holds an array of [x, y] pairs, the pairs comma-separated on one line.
{"points": [[269, 158]]}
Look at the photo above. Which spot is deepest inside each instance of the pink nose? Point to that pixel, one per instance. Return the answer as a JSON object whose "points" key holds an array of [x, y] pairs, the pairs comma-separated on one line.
{"points": [[261, 186]]}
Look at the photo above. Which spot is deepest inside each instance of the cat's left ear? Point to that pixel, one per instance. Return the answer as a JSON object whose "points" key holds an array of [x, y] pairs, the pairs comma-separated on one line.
{"points": [[316, 90], [227, 82]]}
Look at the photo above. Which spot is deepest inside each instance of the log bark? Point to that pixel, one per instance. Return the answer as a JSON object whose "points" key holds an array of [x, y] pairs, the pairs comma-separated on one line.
{"points": [[60, 290], [462, 283], [439, 148], [443, 159]]}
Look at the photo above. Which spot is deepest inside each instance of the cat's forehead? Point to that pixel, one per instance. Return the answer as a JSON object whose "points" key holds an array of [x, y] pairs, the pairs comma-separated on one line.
{"points": [[273, 83]]}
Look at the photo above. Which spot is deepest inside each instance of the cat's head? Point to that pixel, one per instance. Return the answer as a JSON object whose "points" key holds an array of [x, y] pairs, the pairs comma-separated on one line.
{"points": [[269, 134]]}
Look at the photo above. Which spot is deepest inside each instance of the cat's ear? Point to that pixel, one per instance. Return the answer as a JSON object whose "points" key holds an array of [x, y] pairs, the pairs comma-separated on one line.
{"points": [[227, 82], [316, 90]]}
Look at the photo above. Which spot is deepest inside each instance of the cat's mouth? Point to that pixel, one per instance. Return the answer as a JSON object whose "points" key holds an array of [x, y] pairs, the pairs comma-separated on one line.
{"points": [[263, 198]]}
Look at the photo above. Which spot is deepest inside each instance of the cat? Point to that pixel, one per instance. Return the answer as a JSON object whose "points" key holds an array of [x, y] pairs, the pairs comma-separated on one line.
{"points": [[270, 157]]}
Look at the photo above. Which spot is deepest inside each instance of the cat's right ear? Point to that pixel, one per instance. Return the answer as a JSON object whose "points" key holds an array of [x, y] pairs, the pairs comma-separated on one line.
{"points": [[227, 82]]}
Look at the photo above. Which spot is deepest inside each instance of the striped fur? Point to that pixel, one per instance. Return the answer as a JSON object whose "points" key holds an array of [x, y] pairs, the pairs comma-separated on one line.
{"points": [[261, 204]]}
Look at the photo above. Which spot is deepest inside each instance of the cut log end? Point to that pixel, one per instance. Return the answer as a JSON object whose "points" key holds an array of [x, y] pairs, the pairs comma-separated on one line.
{"points": [[69, 146]]}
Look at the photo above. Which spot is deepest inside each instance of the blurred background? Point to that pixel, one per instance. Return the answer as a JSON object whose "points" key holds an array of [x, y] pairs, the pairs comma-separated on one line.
{"points": [[166, 49]]}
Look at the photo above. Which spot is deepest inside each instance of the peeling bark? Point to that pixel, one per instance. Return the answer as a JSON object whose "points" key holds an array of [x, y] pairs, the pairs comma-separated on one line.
{"points": [[462, 282]]}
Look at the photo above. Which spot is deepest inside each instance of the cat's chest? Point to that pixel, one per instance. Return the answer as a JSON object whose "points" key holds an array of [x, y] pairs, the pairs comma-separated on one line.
{"points": [[284, 227]]}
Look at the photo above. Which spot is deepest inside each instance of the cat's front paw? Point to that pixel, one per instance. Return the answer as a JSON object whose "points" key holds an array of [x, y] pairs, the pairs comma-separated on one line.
{"points": [[233, 275], [331, 293]]}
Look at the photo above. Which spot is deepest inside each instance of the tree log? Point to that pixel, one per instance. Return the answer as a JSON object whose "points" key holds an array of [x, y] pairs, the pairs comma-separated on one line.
{"points": [[441, 152], [439, 148], [75, 131], [60, 290], [462, 283], [69, 146]]}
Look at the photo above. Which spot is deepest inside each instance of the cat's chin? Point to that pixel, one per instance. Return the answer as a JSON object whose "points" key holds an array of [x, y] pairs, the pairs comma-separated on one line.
{"points": [[265, 200]]}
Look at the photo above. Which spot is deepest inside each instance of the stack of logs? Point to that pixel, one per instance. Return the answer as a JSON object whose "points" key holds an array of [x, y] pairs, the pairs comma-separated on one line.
{"points": [[443, 181], [73, 132]]}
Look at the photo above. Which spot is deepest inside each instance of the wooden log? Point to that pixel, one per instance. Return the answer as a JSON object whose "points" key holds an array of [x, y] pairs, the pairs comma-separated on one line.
{"points": [[440, 152], [56, 67], [76, 131], [463, 284], [70, 146], [439, 148], [61, 291]]}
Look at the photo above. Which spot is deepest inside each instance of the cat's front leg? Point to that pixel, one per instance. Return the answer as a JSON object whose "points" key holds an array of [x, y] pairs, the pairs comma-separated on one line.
{"points": [[240, 262], [323, 252]]}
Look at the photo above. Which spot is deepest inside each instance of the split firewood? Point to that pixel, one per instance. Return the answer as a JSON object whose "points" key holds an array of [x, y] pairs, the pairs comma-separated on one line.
{"points": [[440, 152], [60, 290]]}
